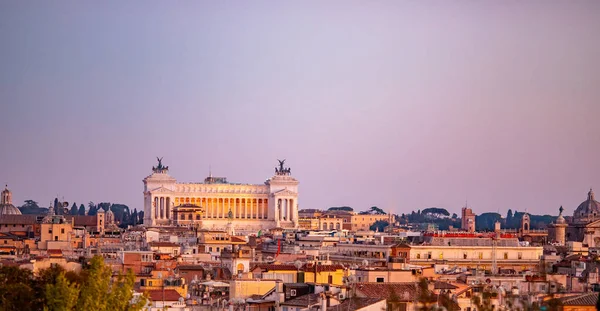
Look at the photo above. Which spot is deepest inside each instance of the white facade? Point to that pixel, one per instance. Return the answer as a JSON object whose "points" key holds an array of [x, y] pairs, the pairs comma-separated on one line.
{"points": [[253, 206]]}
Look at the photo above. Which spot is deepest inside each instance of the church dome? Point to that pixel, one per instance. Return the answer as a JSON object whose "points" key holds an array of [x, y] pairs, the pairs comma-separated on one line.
{"points": [[9, 209], [6, 206], [587, 208]]}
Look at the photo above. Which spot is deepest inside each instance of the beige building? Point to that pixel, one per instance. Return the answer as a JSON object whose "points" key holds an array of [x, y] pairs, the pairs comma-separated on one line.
{"points": [[253, 206], [518, 258], [331, 222], [56, 232], [364, 222]]}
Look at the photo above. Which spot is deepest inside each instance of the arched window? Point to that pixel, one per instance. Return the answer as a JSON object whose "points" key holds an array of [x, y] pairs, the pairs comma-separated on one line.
{"points": [[337, 226], [189, 216]]}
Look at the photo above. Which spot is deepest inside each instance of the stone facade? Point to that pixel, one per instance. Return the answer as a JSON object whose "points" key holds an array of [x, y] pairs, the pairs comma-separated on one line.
{"points": [[249, 207]]}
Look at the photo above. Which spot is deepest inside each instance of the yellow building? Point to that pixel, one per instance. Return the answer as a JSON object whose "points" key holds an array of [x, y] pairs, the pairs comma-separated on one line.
{"points": [[331, 222], [518, 258], [244, 288], [323, 274], [55, 232], [364, 222], [308, 223], [158, 280], [308, 273]]}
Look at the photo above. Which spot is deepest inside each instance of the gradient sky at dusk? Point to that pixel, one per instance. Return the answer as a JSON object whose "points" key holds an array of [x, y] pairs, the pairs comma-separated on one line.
{"points": [[403, 105]]}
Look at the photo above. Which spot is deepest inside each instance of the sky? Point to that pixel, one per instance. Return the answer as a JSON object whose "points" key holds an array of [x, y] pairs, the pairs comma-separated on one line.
{"points": [[401, 105]]}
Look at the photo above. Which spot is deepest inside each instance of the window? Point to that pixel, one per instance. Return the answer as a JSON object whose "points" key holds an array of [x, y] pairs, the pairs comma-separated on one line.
{"points": [[380, 280], [293, 292], [197, 217], [505, 255], [520, 255], [149, 283], [62, 230], [5, 242], [182, 217], [56, 238], [418, 255], [480, 255], [464, 255], [428, 255], [210, 249]]}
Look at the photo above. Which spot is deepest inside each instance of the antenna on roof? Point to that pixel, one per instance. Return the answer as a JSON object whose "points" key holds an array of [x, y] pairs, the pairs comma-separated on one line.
{"points": [[209, 171]]}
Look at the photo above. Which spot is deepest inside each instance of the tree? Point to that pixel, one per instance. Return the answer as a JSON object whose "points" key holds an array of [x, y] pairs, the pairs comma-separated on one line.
{"points": [[16, 292], [73, 209], [104, 205], [509, 215], [93, 210], [141, 216], [61, 295], [32, 207], [98, 293], [81, 210], [376, 210], [435, 210], [425, 298], [341, 208], [134, 217], [598, 303], [483, 301], [55, 205], [454, 216], [379, 225]]}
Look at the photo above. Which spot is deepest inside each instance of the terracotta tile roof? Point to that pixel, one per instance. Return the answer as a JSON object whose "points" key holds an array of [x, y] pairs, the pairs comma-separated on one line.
{"points": [[80, 220], [303, 301], [355, 304], [169, 295], [18, 219], [589, 299], [443, 285], [236, 239], [404, 291], [163, 244]]}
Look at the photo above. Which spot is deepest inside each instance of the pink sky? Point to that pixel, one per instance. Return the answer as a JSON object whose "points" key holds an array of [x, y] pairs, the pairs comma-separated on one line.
{"points": [[400, 105]]}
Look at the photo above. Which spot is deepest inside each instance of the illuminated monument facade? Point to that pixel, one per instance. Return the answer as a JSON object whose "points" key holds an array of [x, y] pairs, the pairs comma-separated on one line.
{"points": [[215, 203]]}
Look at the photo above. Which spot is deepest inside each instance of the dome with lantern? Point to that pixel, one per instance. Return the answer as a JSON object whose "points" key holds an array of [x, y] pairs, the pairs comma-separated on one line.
{"points": [[6, 206]]}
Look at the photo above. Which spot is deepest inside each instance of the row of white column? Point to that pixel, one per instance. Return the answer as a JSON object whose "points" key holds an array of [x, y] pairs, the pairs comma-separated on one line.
{"points": [[285, 208], [162, 207], [244, 209], [215, 208]]}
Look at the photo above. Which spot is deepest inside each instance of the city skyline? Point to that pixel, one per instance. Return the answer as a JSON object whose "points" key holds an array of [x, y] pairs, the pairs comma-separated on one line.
{"points": [[415, 106]]}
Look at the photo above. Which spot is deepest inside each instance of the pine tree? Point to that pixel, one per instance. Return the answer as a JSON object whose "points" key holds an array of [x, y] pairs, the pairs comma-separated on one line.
{"points": [[81, 210], [73, 209], [93, 209], [57, 210]]}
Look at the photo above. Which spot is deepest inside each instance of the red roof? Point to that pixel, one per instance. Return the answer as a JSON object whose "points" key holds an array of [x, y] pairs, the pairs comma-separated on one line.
{"points": [[404, 291], [166, 295]]}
